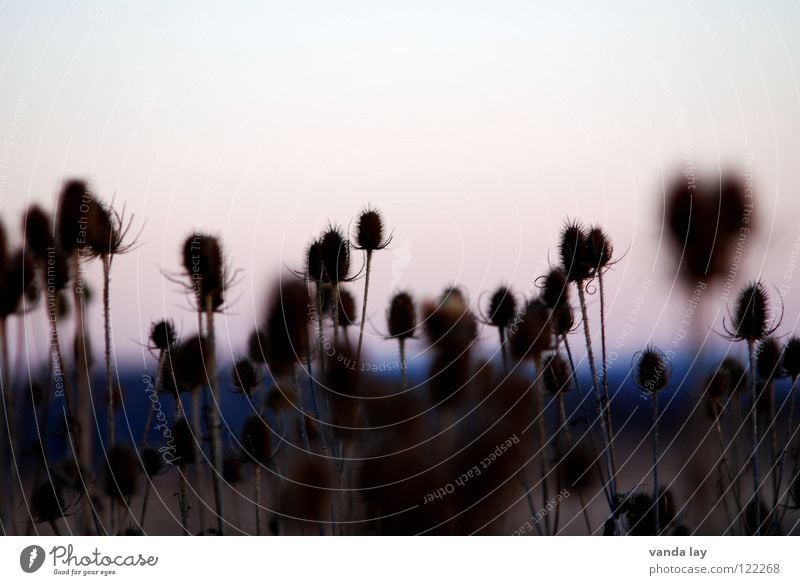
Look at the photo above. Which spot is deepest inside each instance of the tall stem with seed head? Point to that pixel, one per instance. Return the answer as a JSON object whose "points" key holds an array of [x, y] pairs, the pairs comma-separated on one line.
{"points": [[654, 400], [216, 443], [751, 348]]}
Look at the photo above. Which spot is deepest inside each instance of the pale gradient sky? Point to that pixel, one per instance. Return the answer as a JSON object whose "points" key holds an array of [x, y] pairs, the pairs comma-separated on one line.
{"points": [[476, 127]]}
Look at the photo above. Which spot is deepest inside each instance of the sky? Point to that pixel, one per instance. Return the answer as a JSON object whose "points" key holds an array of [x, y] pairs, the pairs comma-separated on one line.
{"points": [[477, 128]]}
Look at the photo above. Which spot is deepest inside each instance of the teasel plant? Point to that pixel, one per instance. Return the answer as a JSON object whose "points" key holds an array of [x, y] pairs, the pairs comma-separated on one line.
{"points": [[401, 319], [749, 323], [652, 374], [577, 264], [769, 364], [531, 338], [162, 340], [335, 260], [209, 279], [256, 450], [500, 313]]}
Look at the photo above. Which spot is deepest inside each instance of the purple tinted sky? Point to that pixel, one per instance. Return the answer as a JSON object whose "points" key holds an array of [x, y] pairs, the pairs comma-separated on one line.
{"points": [[476, 128]]}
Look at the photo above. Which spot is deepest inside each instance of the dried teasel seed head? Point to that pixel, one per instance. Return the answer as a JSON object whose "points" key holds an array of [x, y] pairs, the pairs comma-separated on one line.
{"points": [[652, 370], [122, 472], [573, 250], [791, 357], [555, 290], [335, 255], [502, 307], [449, 324], [737, 375], [556, 374], [101, 230], [38, 229], [18, 281], [347, 309], [599, 249], [257, 346], [314, 266], [162, 334], [190, 363], [402, 316], [256, 441], [72, 216], [287, 326], [533, 335], [47, 502], [752, 310], [204, 264], [244, 377], [185, 447], [717, 384], [563, 319], [369, 230]]}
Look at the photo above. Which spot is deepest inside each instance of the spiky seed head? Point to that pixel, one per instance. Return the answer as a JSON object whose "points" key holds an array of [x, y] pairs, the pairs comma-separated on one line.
{"points": [[555, 289], [449, 324], [737, 375], [652, 370], [533, 335], [185, 449], [314, 265], [574, 252], [72, 215], [402, 317], [122, 472], [369, 231], [204, 264], [347, 309], [752, 310], [791, 357], [769, 360], [717, 384], [38, 230], [599, 249], [162, 334], [257, 346], [502, 307], [101, 234], [244, 376], [47, 502], [256, 441], [556, 374], [335, 255], [152, 462], [19, 280]]}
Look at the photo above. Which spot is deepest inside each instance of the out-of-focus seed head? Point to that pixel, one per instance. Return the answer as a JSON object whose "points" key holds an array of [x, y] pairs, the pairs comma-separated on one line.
{"points": [[652, 370], [190, 363], [314, 266], [152, 462], [18, 281], [122, 472], [563, 319], [449, 324], [244, 377], [402, 316], [369, 230], [256, 441], [347, 309], [162, 335], [791, 357], [502, 307], [72, 216], [574, 252], [287, 326], [38, 229], [717, 384], [556, 374], [737, 375], [533, 335], [335, 255]]}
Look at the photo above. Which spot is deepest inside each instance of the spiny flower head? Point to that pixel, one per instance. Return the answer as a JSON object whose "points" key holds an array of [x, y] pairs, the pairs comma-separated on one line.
{"points": [[369, 231], [652, 370], [38, 231], [599, 249], [574, 254], [502, 307], [555, 289], [335, 255], [162, 335], [244, 377], [533, 334], [203, 262], [750, 317], [791, 357]]}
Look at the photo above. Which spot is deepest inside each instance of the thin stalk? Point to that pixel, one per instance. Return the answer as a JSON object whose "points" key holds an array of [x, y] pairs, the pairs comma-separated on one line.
{"points": [[754, 420], [539, 413], [257, 488], [216, 443], [82, 395], [723, 466], [523, 479], [197, 469], [654, 401], [789, 435], [364, 308], [156, 386], [335, 298], [560, 418], [145, 500], [303, 427], [106, 261], [403, 368], [182, 499], [603, 406], [503, 348]]}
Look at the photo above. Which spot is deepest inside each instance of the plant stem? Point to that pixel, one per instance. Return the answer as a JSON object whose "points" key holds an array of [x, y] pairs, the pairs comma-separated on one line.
{"points": [[257, 487], [403, 369], [503, 348], [106, 261], [656, 496], [789, 434], [216, 444], [754, 420], [144, 503], [364, 308], [539, 413]]}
